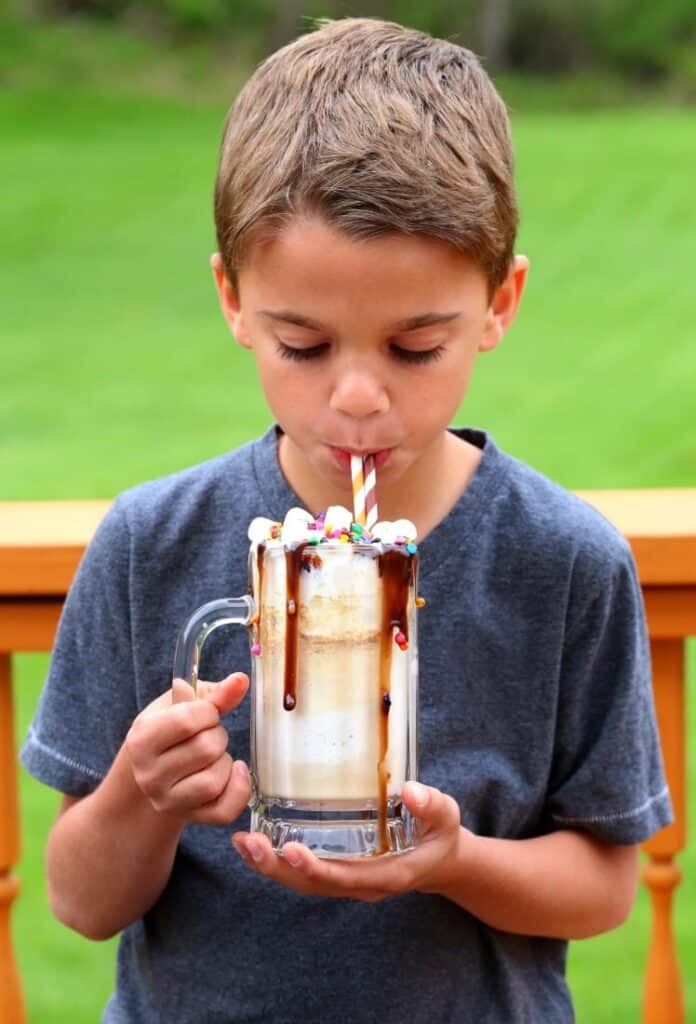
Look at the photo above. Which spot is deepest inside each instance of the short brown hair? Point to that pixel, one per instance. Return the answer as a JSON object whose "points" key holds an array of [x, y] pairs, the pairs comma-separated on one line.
{"points": [[379, 129]]}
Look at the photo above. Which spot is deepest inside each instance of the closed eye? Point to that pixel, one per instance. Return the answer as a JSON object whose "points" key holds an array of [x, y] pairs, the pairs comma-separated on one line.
{"points": [[415, 357], [418, 356], [301, 354]]}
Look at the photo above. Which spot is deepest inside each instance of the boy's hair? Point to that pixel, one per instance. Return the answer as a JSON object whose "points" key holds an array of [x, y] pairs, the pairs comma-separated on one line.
{"points": [[378, 129]]}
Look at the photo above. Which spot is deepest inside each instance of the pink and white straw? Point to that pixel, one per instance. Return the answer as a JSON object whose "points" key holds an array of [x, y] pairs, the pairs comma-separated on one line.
{"points": [[364, 480]]}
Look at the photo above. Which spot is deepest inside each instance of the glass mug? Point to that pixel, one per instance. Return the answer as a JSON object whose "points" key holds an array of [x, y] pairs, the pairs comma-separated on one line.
{"points": [[333, 689]]}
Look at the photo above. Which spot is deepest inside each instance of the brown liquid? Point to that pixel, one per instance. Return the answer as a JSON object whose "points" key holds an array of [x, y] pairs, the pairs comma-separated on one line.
{"points": [[294, 561], [397, 569], [260, 552]]}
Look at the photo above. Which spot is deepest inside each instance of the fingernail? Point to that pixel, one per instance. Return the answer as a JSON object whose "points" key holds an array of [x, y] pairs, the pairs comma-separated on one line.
{"points": [[241, 771], [420, 794], [255, 850], [293, 858]]}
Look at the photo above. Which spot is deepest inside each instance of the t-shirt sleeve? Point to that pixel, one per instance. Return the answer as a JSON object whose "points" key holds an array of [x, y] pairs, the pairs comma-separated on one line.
{"points": [[607, 776], [88, 702]]}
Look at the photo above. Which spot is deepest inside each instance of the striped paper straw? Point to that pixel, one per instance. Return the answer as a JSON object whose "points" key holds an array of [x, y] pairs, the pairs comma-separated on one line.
{"points": [[364, 479]]}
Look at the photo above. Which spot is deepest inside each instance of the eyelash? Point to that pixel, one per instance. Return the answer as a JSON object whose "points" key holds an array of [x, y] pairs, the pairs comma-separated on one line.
{"points": [[415, 358]]}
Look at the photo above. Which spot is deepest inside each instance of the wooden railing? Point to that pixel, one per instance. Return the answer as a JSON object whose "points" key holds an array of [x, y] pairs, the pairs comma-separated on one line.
{"points": [[41, 543]]}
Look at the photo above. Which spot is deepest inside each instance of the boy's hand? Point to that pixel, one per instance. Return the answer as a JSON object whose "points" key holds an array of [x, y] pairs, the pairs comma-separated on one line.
{"points": [[425, 869], [178, 753]]}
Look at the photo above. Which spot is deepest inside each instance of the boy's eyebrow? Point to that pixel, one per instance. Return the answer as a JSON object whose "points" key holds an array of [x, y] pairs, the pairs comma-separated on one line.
{"points": [[426, 319], [411, 324], [288, 317]]}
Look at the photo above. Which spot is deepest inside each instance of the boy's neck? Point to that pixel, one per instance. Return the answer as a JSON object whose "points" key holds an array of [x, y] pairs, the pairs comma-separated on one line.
{"points": [[434, 485], [425, 494]]}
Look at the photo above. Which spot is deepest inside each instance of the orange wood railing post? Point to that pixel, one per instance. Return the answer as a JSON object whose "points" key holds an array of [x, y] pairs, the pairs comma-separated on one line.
{"points": [[663, 999], [11, 1001]]}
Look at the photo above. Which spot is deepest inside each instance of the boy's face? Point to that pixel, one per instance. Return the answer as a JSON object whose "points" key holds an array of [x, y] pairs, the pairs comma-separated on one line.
{"points": [[364, 347]]}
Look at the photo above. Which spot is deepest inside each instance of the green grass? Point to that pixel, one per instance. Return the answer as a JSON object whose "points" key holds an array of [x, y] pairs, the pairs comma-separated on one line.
{"points": [[116, 365]]}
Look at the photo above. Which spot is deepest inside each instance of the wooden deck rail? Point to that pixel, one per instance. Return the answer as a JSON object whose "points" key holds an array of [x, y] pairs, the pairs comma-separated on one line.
{"points": [[41, 543]]}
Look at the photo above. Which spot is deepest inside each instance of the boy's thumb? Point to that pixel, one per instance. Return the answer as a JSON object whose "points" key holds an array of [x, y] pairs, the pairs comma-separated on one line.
{"points": [[435, 809], [226, 694]]}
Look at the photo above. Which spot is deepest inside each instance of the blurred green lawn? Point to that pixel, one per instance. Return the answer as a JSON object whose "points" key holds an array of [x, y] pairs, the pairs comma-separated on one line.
{"points": [[116, 367]]}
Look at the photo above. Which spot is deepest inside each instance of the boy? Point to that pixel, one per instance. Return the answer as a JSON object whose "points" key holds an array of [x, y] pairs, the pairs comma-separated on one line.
{"points": [[366, 219]]}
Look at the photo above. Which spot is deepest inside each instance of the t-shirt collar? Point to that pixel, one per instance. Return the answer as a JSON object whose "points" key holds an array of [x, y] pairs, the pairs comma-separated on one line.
{"points": [[459, 526]]}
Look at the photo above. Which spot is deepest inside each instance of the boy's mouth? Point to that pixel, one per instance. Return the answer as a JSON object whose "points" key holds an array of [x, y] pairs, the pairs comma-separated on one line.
{"points": [[342, 456]]}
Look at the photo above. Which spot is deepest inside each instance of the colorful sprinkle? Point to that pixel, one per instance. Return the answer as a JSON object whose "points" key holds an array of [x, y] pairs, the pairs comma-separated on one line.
{"points": [[292, 607], [420, 602], [401, 640], [319, 531], [256, 650]]}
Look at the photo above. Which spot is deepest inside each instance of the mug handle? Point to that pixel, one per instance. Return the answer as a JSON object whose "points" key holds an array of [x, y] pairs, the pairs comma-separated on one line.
{"points": [[227, 611]]}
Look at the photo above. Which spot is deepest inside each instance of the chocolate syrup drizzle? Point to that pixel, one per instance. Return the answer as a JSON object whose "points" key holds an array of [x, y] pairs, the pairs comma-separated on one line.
{"points": [[295, 560], [398, 572]]}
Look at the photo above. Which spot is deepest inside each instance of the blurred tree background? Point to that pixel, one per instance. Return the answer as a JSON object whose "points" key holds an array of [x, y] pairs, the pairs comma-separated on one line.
{"points": [[649, 43]]}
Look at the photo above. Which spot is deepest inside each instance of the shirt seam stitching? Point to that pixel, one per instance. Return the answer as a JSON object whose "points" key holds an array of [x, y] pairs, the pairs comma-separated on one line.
{"points": [[619, 815], [62, 758]]}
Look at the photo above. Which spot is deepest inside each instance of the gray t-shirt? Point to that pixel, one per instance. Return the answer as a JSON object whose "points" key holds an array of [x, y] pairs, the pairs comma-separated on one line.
{"points": [[536, 714]]}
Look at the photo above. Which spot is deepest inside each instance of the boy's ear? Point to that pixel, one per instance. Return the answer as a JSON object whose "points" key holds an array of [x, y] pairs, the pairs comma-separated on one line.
{"points": [[504, 304], [229, 301]]}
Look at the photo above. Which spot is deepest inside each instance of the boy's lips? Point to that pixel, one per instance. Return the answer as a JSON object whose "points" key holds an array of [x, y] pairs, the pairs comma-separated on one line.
{"points": [[342, 456]]}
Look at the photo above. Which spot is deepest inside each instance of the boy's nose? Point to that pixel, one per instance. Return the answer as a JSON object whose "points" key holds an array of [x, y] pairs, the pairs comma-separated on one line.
{"points": [[359, 394]]}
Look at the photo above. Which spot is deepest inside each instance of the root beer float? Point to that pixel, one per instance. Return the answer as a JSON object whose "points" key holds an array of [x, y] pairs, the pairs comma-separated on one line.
{"points": [[332, 621]]}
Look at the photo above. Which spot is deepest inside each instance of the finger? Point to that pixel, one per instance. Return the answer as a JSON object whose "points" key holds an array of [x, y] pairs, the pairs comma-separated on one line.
{"points": [[181, 691], [435, 810], [297, 863], [157, 729], [257, 854], [165, 700], [233, 800], [157, 773], [292, 869], [201, 788], [227, 694], [383, 875], [256, 851], [194, 755]]}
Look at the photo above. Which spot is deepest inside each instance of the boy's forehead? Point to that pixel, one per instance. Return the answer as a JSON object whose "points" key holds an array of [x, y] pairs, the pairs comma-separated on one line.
{"points": [[310, 254]]}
